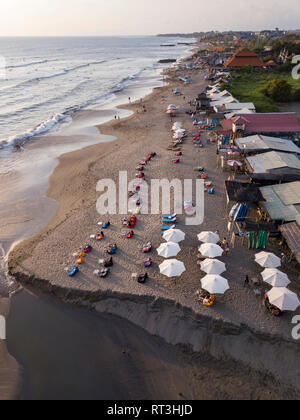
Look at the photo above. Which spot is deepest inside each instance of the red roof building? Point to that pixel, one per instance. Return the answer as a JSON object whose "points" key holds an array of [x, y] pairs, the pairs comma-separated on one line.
{"points": [[281, 122], [244, 59]]}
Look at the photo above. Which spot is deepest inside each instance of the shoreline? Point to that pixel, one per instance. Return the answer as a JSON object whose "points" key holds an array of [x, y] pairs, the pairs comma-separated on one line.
{"points": [[247, 341]]}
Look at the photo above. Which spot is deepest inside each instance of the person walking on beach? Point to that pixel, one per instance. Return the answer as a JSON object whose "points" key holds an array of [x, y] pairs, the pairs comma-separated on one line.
{"points": [[283, 260], [225, 247], [246, 282]]}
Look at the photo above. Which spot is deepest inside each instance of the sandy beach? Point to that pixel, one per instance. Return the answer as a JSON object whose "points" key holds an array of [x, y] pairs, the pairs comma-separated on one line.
{"points": [[236, 328]]}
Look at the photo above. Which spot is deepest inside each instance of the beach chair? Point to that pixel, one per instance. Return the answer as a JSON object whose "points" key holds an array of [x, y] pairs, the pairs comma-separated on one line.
{"points": [[170, 220], [164, 228], [73, 272], [169, 216]]}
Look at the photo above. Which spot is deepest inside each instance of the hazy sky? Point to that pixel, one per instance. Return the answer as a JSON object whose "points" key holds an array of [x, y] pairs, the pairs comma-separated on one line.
{"points": [[143, 17]]}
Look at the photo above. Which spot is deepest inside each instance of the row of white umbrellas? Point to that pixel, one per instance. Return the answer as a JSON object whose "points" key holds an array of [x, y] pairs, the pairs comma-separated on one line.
{"points": [[213, 282], [281, 297], [171, 267]]}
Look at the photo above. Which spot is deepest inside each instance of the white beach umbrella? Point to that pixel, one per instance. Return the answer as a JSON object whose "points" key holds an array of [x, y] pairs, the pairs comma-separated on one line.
{"points": [[267, 260], [177, 126], [275, 277], [210, 266], [168, 249], [172, 268], [211, 250], [178, 136], [234, 163], [174, 235], [209, 237], [215, 284], [283, 299]]}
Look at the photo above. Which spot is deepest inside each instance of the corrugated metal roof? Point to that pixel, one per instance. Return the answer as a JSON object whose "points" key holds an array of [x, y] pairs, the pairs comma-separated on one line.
{"points": [[240, 106], [291, 233], [275, 207], [273, 160], [288, 193], [258, 142]]}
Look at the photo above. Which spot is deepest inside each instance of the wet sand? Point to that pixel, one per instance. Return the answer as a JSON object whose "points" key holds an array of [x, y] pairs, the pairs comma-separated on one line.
{"points": [[69, 354]]}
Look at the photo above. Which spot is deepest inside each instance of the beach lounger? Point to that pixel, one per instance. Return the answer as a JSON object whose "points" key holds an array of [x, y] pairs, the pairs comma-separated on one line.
{"points": [[148, 263], [87, 249], [142, 278], [170, 220], [169, 216], [106, 225], [147, 248], [73, 272], [163, 228]]}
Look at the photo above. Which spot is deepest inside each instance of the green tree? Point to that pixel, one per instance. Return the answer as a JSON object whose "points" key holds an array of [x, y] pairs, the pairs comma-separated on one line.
{"points": [[279, 90]]}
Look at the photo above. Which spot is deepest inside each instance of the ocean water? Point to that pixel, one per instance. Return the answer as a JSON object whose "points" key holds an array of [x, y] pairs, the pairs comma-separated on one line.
{"points": [[43, 87], [46, 80]]}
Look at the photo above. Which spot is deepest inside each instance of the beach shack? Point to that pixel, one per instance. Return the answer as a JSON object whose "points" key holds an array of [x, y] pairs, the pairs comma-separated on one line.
{"points": [[276, 124], [215, 118], [291, 235], [245, 198], [261, 144], [204, 101], [282, 202], [244, 59], [238, 106], [233, 114], [273, 162]]}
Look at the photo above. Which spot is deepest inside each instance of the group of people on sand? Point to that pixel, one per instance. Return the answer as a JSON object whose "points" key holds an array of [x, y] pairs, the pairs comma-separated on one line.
{"points": [[205, 298]]}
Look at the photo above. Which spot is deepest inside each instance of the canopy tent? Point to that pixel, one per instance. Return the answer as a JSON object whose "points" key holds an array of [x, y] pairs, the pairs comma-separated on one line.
{"points": [[172, 268], [168, 249], [283, 299], [215, 284], [210, 266]]}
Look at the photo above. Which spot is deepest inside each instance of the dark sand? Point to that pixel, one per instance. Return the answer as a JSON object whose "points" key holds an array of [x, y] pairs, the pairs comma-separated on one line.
{"points": [[68, 353]]}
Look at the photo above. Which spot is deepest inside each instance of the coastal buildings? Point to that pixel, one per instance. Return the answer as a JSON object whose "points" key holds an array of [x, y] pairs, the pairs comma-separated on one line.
{"points": [[271, 162], [282, 202], [244, 59], [279, 123], [260, 144]]}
